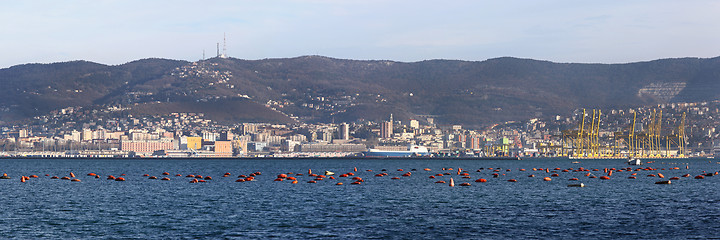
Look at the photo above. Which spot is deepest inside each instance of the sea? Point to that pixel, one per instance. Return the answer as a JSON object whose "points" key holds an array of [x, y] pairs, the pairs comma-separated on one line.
{"points": [[413, 206]]}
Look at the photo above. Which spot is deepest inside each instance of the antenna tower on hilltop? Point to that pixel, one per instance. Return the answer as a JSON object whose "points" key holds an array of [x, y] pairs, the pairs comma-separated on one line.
{"points": [[224, 55]]}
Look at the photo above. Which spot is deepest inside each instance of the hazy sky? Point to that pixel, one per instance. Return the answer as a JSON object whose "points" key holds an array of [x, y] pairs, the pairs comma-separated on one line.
{"points": [[115, 32]]}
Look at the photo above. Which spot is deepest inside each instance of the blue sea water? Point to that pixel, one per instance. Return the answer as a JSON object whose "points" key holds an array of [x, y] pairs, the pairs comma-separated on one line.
{"points": [[411, 207]]}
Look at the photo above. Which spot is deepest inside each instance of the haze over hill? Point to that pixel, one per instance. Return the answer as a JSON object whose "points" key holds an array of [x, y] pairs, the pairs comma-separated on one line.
{"points": [[321, 89]]}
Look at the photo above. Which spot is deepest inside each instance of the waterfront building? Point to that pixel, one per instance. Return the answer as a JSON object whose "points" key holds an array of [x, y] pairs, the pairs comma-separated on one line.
{"points": [[193, 143], [223, 149], [146, 147]]}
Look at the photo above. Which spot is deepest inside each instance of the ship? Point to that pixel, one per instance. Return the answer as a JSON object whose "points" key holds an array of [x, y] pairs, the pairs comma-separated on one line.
{"points": [[412, 151], [634, 161]]}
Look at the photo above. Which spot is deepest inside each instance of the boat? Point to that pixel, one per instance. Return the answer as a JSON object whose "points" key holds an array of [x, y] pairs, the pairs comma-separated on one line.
{"points": [[412, 151], [634, 161]]}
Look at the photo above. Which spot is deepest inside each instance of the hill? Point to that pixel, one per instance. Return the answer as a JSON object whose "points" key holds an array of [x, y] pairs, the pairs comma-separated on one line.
{"points": [[321, 89]]}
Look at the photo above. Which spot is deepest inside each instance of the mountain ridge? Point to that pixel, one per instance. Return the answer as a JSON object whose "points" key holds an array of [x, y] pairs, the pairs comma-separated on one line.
{"points": [[323, 89]]}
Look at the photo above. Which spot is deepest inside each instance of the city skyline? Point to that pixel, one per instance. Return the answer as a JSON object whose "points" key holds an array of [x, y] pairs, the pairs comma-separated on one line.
{"points": [[560, 31]]}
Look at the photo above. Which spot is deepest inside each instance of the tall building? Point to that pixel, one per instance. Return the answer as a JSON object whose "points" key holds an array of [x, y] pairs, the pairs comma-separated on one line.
{"points": [[386, 130], [414, 124], [326, 135], [344, 131]]}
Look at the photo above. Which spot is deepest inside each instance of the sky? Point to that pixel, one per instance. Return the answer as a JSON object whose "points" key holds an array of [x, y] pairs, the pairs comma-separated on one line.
{"points": [[582, 31]]}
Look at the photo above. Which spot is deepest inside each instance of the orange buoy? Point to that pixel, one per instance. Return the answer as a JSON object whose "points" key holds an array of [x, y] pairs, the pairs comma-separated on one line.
{"points": [[291, 178], [282, 176], [395, 178], [699, 177], [208, 178], [674, 178], [593, 176], [178, 175], [651, 175], [279, 180], [465, 184], [194, 180], [339, 183], [427, 169], [97, 176], [152, 177], [91, 174], [165, 179], [452, 182], [311, 181], [190, 176], [555, 175], [75, 180], [663, 182], [144, 175], [309, 171], [512, 180], [440, 181], [54, 177], [573, 179], [22, 179], [356, 183], [294, 182], [72, 175], [547, 179], [431, 176], [481, 180], [165, 173], [531, 175], [355, 169], [65, 178], [111, 177], [379, 175], [605, 178], [240, 180], [632, 177], [120, 179], [33, 176], [660, 175]]}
